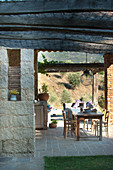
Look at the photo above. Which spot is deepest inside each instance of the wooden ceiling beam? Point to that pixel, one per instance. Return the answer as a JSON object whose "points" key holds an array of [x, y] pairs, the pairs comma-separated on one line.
{"points": [[57, 45], [89, 31], [54, 35], [101, 20], [64, 30], [40, 6], [72, 67]]}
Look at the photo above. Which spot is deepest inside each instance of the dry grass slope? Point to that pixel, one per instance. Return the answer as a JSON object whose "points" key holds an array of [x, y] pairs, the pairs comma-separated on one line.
{"points": [[57, 83]]}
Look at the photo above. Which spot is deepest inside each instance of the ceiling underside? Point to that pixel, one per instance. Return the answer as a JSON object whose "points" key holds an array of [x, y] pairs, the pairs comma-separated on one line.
{"points": [[58, 26]]}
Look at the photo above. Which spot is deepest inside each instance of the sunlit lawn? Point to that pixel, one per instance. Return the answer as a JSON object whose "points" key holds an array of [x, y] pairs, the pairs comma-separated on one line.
{"points": [[79, 163]]}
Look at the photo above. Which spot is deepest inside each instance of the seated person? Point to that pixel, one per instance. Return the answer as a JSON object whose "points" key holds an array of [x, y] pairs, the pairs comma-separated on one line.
{"points": [[77, 103], [89, 105]]}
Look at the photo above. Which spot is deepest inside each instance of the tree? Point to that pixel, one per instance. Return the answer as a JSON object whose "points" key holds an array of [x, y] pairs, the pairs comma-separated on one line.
{"points": [[74, 79], [65, 98]]}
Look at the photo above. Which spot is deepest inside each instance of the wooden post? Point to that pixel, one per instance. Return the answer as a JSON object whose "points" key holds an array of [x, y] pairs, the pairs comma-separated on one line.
{"points": [[105, 88], [36, 74], [95, 90]]}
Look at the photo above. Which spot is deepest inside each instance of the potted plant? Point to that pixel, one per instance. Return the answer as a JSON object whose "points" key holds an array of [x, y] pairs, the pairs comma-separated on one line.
{"points": [[44, 96], [13, 94], [42, 65], [53, 124]]}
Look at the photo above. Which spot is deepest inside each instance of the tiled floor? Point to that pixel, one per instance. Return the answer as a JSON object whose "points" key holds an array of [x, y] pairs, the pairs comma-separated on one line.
{"points": [[52, 143]]}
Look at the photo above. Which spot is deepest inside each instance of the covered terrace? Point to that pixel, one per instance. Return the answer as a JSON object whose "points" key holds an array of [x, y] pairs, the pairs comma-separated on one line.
{"points": [[47, 25]]}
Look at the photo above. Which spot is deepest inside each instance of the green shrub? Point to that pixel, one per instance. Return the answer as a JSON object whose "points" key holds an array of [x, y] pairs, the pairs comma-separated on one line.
{"points": [[62, 73], [101, 101], [52, 98], [65, 97], [74, 79], [86, 97], [101, 72]]}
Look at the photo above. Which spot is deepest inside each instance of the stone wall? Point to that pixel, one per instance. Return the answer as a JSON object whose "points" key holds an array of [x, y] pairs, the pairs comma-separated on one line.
{"points": [[17, 117]]}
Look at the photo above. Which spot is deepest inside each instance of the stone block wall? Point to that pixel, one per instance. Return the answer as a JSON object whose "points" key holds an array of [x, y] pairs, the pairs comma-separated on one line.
{"points": [[17, 128]]}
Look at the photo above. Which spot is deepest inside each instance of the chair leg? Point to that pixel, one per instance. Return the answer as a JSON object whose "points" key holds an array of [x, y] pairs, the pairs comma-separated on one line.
{"points": [[84, 124], [92, 124], [65, 133], [72, 128], [68, 128], [95, 129], [107, 131], [87, 124]]}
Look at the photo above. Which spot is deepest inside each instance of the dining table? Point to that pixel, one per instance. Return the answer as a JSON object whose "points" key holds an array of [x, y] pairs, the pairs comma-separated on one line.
{"points": [[91, 115]]}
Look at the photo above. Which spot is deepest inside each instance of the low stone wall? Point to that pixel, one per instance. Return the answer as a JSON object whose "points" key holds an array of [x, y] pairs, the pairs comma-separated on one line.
{"points": [[16, 128], [17, 123]]}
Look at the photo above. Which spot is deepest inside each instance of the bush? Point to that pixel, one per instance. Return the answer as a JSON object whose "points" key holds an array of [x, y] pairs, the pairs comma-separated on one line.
{"points": [[86, 97], [101, 101], [65, 98], [101, 72], [52, 98], [74, 79], [62, 73]]}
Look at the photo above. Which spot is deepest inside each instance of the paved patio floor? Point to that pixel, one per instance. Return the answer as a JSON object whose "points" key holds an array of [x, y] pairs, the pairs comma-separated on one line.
{"points": [[52, 143]]}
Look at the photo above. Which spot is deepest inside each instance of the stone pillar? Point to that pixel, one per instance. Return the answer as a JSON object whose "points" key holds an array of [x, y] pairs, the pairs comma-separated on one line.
{"points": [[108, 63], [95, 90], [17, 117]]}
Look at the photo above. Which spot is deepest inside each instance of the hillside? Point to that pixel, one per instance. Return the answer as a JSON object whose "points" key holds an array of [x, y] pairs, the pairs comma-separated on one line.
{"points": [[58, 82], [72, 57]]}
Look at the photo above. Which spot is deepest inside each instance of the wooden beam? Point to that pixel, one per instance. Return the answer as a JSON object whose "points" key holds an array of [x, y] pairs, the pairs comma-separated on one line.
{"points": [[36, 74], [37, 6], [78, 19], [52, 35], [90, 31], [57, 45], [95, 89], [72, 67]]}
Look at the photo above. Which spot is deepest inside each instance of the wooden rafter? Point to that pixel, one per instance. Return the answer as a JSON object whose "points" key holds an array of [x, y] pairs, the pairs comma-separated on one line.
{"points": [[69, 26], [65, 19], [57, 45], [66, 67], [40, 6]]}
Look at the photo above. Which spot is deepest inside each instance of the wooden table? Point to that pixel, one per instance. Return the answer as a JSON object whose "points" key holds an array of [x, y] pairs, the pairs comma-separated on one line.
{"points": [[88, 115]]}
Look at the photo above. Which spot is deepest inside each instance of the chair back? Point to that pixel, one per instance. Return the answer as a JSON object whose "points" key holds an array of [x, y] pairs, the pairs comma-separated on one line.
{"points": [[63, 114], [68, 115], [107, 115], [67, 105], [64, 117]]}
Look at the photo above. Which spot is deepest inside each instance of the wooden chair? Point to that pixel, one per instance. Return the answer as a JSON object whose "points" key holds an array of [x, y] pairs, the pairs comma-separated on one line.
{"points": [[105, 123], [69, 123], [69, 105]]}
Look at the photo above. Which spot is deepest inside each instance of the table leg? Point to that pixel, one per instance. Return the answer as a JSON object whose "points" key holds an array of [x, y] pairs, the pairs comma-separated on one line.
{"points": [[78, 129], [100, 137]]}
